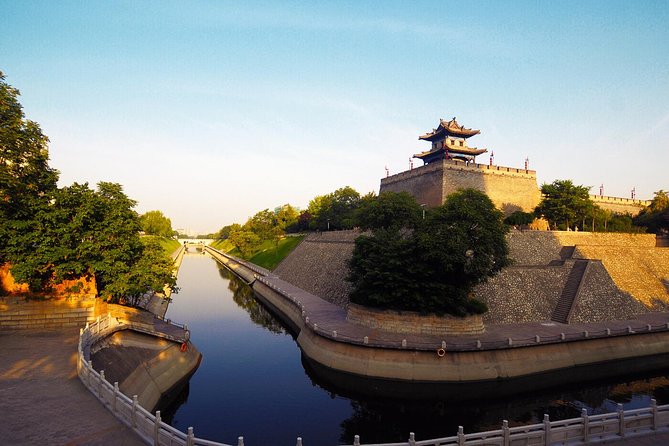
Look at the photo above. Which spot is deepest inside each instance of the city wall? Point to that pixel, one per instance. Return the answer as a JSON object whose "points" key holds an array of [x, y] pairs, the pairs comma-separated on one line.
{"points": [[510, 189], [620, 205]]}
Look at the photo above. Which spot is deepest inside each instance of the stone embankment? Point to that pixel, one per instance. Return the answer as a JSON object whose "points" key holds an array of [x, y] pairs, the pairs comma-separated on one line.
{"points": [[624, 277], [329, 338], [319, 265]]}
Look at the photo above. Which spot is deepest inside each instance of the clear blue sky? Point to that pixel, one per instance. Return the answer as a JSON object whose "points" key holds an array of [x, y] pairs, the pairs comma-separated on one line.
{"points": [[211, 111]]}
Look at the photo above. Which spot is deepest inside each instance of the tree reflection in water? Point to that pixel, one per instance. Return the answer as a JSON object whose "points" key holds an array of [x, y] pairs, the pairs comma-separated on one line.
{"points": [[243, 297]]}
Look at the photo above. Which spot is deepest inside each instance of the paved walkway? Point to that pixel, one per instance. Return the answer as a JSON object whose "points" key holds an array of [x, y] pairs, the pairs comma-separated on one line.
{"points": [[330, 318], [42, 401]]}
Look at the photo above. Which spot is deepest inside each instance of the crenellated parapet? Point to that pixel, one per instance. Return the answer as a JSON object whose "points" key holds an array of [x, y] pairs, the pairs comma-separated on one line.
{"points": [[509, 188]]}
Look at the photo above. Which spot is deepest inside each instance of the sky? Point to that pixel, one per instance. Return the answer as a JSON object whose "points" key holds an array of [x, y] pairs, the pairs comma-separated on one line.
{"points": [[211, 111]]}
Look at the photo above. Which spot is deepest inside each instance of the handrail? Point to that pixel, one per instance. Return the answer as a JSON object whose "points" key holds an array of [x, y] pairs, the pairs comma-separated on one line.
{"points": [[586, 429], [150, 428], [468, 345]]}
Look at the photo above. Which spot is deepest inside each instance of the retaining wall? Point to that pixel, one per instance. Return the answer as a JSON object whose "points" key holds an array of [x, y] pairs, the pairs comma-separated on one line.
{"points": [[415, 323], [17, 313]]}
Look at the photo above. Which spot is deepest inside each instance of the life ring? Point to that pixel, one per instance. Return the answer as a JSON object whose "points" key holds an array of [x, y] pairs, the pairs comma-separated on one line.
{"points": [[184, 347], [441, 352]]}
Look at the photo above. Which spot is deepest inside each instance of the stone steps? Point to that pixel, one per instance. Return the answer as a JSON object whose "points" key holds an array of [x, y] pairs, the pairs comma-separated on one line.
{"points": [[568, 296]]}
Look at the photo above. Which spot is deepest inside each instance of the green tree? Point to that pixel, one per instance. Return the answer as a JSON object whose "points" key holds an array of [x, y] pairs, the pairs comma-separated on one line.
{"points": [[286, 216], [434, 267], [519, 218], [155, 223], [27, 182], [564, 204], [388, 210], [262, 224], [334, 211], [655, 218], [151, 273], [245, 241]]}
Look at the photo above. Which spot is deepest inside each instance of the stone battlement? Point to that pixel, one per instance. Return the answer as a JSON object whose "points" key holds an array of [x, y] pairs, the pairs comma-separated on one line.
{"points": [[509, 188], [461, 166]]}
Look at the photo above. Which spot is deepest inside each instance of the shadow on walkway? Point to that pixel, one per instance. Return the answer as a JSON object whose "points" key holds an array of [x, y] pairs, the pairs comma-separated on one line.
{"points": [[42, 400]]}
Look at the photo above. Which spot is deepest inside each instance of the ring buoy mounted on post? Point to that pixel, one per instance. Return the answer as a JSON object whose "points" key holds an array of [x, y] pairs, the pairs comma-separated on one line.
{"points": [[184, 346], [441, 352]]}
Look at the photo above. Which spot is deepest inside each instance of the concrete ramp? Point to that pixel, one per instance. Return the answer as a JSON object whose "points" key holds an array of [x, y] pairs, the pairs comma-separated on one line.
{"points": [[144, 365]]}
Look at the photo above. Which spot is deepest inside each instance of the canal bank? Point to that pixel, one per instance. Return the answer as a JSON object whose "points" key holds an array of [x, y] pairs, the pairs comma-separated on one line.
{"points": [[502, 352]]}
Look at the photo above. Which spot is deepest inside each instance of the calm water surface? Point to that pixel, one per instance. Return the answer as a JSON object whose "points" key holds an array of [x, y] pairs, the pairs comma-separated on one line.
{"points": [[252, 382]]}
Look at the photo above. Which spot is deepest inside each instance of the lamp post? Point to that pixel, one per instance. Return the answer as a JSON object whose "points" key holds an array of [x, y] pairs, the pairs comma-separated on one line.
{"points": [[328, 224], [422, 206]]}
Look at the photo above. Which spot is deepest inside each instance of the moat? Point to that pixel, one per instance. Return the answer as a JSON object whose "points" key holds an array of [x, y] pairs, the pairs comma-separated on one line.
{"points": [[254, 382]]}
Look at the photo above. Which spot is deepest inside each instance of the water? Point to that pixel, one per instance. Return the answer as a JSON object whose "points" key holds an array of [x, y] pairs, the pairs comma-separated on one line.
{"points": [[254, 382]]}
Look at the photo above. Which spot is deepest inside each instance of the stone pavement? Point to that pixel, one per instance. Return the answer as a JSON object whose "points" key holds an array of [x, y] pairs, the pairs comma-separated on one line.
{"points": [[42, 400]]}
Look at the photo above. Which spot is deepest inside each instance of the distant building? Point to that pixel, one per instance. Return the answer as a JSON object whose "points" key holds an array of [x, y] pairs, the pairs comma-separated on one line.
{"points": [[450, 165]]}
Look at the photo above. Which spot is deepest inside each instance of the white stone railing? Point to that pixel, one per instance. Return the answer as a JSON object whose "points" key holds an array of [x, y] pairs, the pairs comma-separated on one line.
{"points": [[150, 428], [587, 429]]}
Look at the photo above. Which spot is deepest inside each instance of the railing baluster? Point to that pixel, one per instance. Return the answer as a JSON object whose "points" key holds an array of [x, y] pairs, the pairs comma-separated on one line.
{"points": [[505, 433], [156, 429], [586, 425], [653, 407], [115, 396], [621, 421], [547, 429]]}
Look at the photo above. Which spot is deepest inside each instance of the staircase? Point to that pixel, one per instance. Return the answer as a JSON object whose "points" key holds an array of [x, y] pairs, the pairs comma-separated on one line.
{"points": [[566, 300]]}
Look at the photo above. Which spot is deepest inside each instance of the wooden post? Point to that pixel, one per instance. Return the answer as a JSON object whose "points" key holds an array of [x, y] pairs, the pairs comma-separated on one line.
{"points": [[653, 407], [156, 430], [621, 421], [505, 433], [134, 410], [356, 440], [547, 430], [586, 425], [190, 437], [461, 436]]}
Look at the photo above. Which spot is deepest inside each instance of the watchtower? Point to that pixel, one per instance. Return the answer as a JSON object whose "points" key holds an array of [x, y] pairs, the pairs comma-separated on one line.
{"points": [[449, 141], [450, 165]]}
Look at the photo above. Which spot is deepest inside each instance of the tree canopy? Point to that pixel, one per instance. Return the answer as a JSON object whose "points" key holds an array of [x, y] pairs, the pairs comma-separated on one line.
{"points": [[564, 204], [48, 234], [155, 223], [431, 265], [27, 182], [656, 216], [388, 210]]}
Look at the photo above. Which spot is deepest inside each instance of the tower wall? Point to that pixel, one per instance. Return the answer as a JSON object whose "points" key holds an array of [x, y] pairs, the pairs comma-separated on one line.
{"points": [[620, 205], [509, 189]]}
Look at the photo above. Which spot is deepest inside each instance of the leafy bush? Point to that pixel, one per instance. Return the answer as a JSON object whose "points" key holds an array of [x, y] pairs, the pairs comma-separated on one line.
{"points": [[433, 267]]}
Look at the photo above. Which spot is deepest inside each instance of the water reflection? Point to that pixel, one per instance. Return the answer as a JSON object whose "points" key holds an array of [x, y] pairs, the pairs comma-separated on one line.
{"points": [[378, 418], [242, 295], [252, 382]]}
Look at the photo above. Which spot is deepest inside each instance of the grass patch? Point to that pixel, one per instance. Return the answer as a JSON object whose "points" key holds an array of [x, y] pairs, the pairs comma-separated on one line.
{"points": [[268, 255], [272, 255], [169, 245]]}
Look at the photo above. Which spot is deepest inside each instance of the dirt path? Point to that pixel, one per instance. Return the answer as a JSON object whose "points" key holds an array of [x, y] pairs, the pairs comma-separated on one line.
{"points": [[42, 400]]}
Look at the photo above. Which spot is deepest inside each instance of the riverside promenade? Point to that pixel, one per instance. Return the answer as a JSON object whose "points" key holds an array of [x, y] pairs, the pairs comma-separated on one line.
{"points": [[42, 400]]}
